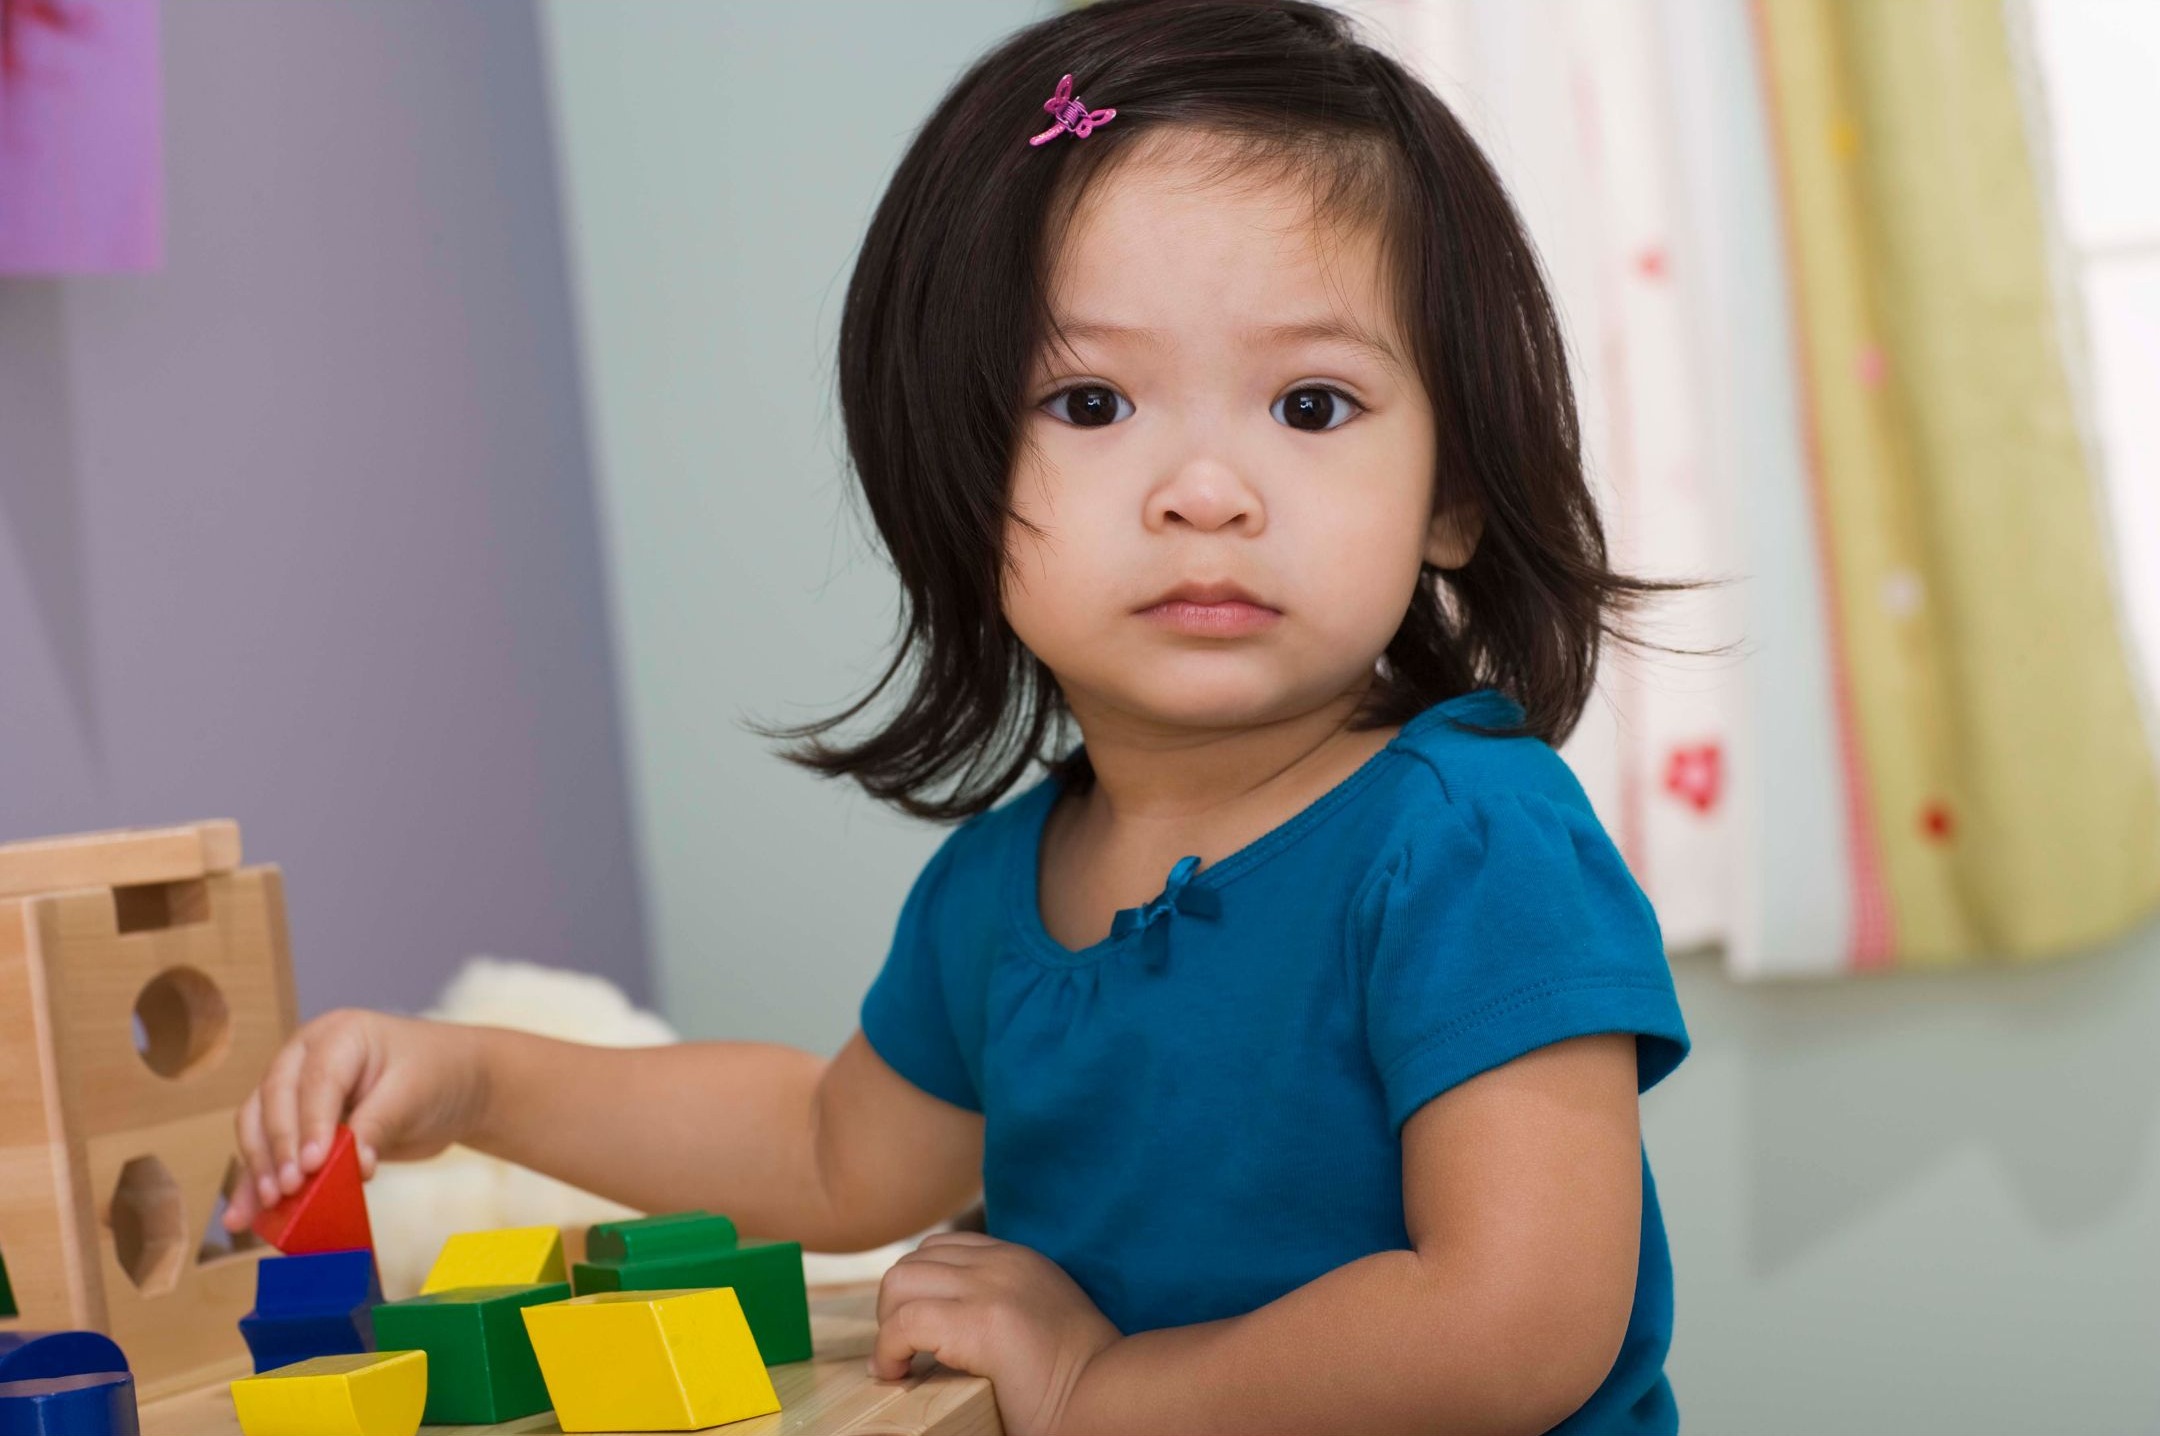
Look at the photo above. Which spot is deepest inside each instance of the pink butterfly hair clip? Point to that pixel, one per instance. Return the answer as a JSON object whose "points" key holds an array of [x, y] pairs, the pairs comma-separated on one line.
{"points": [[1071, 114]]}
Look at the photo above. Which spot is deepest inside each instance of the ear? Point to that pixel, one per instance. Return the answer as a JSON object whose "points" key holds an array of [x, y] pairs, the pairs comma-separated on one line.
{"points": [[1453, 536]]}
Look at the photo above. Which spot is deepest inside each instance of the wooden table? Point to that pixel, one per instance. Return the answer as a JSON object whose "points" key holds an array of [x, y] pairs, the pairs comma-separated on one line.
{"points": [[832, 1394]]}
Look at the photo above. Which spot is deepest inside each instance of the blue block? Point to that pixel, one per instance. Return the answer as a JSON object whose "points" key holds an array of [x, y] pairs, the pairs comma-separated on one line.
{"points": [[93, 1403], [319, 1304], [316, 1283], [31, 1355]]}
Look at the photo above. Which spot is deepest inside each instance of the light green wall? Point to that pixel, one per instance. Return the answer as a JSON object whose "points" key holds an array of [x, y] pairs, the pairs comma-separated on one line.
{"points": [[1901, 1206], [720, 164], [1918, 1205]]}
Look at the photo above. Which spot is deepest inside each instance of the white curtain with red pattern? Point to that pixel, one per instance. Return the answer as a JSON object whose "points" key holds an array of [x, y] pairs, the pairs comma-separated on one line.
{"points": [[1582, 107]]}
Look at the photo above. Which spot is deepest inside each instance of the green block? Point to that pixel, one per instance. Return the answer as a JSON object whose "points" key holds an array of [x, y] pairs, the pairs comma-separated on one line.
{"points": [[7, 1293], [481, 1367], [676, 1234], [767, 1277]]}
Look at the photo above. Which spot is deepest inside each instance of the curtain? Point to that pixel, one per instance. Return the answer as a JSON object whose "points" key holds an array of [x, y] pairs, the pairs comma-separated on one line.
{"points": [[1999, 780], [1800, 249]]}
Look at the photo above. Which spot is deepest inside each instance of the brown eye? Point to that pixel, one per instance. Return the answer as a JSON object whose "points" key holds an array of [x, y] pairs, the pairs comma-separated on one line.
{"points": [[1088, 406], [1316, 408]]}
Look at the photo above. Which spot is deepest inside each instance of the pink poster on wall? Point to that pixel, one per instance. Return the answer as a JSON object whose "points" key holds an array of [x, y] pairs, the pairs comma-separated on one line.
{"points": [[82, 171]]}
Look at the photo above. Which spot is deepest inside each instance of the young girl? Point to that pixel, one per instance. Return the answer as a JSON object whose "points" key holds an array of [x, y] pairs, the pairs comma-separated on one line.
{"points": [[1292, 1024]]}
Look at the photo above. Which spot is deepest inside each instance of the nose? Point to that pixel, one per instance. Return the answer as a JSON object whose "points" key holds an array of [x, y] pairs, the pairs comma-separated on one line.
{"points": [[1206, 494]]}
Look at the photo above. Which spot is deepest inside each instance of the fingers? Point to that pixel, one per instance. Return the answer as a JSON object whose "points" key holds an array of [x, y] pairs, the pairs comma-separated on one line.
{"points": [[935, 1326], [943, 1269], [257, 1188], [914, 1280], [374, 1118], [285, 1127], [328, 1074], [284, 1070], [280, 1093], [959, 1239]]}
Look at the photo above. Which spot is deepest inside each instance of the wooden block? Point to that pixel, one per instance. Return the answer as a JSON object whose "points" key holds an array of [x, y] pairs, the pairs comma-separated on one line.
{"points": [[650, 1361], [767, 1278], [98, 1403], [319, 1304], [374, 1394], [831, 1395], [477, 1346], [507, 1256], [327, 1214], [33, 1355], [122, 857], [671, 1234]]}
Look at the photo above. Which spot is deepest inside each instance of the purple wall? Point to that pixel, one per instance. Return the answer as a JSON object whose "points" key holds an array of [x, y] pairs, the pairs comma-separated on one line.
{"points": [[301, 529]]}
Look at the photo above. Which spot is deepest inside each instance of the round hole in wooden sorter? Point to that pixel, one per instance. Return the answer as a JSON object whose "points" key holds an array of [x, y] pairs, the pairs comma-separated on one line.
{"points": [[181, 1022], [149, 1225]]}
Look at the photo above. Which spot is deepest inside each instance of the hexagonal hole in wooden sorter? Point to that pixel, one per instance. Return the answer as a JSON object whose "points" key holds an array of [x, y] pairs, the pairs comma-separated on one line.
{"points": [[148, 1222]]}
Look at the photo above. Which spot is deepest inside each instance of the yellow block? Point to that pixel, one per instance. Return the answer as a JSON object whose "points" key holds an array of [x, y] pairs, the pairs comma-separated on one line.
{"points": [[650, 1360], [511, 1256], [374, 1393]]}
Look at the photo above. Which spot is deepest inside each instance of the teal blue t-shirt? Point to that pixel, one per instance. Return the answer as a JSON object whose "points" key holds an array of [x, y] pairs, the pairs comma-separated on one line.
{"points": [[1202, 1111]]}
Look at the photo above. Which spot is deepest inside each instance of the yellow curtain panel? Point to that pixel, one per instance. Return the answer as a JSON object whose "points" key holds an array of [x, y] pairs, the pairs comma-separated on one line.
{"points": [[1999, 789]]}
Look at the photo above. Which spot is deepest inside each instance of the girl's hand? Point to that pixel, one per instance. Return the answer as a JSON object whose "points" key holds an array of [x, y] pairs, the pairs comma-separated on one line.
{"points": [[410, 1087], [995, 1309]]}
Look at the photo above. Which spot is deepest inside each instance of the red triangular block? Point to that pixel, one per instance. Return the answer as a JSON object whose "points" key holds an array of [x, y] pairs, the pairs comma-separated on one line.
{"points": [[329, 1214]]}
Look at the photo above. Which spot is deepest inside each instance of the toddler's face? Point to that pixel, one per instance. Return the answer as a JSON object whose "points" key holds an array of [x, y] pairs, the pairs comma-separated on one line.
{"points": [[1296, 467]]}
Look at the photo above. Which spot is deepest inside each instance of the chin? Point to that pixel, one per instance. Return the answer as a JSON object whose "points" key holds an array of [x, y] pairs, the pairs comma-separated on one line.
{"points": [[1206, 696]]}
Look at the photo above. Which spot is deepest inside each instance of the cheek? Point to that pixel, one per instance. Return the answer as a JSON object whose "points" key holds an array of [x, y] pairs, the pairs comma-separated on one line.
{"points": [[1037, 582], [1063, 534], [1359, 566]]}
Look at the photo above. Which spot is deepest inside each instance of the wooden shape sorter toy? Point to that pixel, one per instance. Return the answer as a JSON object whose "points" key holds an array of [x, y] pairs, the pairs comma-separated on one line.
{"points": [[145, 983]]}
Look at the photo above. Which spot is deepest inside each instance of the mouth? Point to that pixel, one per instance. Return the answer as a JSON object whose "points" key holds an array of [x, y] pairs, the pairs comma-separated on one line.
{"points": [[1210, 610]]}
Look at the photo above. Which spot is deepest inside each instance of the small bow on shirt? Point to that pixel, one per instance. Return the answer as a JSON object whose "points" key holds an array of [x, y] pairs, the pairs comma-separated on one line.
{"points": [[1152, 919]]}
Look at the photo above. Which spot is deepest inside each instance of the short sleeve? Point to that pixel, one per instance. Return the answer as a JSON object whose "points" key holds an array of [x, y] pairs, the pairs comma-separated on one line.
{"points": [[1507, 923], [907, 1015]]}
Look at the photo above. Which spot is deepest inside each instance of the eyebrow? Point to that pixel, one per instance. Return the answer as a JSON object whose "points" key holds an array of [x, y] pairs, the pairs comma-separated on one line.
{"points": [[1329, 328]]}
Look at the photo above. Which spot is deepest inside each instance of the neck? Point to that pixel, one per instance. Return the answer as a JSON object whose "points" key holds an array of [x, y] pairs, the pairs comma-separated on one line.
{"points": [[1149, 773]]}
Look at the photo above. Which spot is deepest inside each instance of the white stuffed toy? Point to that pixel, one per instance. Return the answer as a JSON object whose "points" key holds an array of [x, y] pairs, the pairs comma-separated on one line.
{"points": [[415, 1206]]}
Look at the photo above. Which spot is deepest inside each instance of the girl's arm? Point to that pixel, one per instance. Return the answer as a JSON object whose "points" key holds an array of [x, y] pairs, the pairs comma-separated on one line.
{"points": [[1522, 1192], [841, 1155]]}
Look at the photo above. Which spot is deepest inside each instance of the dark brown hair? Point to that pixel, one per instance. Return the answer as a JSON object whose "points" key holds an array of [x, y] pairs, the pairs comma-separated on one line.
{"points": [[948, 306]]}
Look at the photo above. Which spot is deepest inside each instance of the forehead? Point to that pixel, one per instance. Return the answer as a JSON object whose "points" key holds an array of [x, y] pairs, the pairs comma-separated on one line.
{"points": [[1179, 238]]}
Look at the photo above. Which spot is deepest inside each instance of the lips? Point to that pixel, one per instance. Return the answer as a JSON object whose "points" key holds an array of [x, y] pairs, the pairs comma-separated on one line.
{"points": [[1210, 610], [1222, 591]]}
